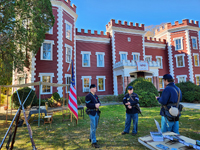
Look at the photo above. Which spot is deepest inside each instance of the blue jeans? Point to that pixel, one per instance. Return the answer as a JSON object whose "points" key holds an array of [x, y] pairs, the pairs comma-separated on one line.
{"points": [[93, 126], [128, 123], [172, 126]]}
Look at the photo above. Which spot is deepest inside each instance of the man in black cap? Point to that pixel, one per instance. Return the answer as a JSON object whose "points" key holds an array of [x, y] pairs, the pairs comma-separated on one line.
{"points": [[130, 101], [92, 103], [169, 98]]}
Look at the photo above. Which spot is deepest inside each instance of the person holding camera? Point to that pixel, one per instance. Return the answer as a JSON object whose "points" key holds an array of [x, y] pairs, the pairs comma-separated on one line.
{"points": [[131, 101], [170, 98], [93, 103]]}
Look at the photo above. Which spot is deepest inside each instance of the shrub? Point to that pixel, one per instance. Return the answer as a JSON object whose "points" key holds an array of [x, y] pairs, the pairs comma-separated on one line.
{"points": [[23, 94], [120, 98], [147, 99], [190, 91], [3, 97], [144, 85], [81, 100], [55, 96]]}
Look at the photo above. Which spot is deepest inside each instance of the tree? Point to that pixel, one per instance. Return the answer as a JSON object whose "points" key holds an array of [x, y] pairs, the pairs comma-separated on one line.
{"points": [[22, 31], [151, 29]]}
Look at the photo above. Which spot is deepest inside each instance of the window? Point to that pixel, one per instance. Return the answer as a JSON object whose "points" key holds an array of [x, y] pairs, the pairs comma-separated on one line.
{"points": [[85, 58], [123, 56], [68, 30], [68, 81], [101, 83], [161, 83], [196, 59], [47, 50], [148, 58], [180, 60], [159, 61], [86, 82], [178, 43], [181, 78], [50, 31], [149, 78], [100, 59], [21, 79], [129, 39], [197, 79], [46, 77], [136, 57], [194, 42], [68, 53]]}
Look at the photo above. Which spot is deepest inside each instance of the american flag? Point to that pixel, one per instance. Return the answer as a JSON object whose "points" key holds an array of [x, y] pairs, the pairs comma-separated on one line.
{"points": [[72, 96]]}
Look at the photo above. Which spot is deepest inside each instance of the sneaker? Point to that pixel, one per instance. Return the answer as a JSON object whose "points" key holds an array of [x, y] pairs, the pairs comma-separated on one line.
{"points": [[124, 133], [133, 134], [90, 140], [95, 145]]}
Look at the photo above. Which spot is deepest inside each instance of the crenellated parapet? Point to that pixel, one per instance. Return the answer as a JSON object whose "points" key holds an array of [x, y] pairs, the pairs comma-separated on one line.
{"points": [[185, 22], [68, 3], [154, 40], [95, 34], [125, 25]]}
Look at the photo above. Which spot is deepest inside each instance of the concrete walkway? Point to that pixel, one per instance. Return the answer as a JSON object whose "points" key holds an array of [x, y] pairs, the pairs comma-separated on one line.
{"points": [[191, 105]]}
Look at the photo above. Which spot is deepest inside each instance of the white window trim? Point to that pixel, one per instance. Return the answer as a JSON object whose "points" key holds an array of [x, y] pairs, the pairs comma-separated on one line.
{"points": [[162, 82], [82, 78], [161, 67], [100, 53], [46, 74], [197, 75], [177, 60], [66, 22], [41, 49], [197, 57], [178, 76], [68, 46], [67, 75], [97, 77], [148, 56], [174, 39], [122, 52], [50, 31], [85, 52], [133, 53], [193, 37], [149, 77]]}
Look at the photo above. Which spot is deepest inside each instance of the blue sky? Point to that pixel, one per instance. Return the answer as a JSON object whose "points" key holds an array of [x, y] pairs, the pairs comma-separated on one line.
{"points": [[95, 14]]}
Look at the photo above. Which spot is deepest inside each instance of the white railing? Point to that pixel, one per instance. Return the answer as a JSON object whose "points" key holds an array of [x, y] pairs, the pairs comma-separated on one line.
{"points": [[134, 64]]}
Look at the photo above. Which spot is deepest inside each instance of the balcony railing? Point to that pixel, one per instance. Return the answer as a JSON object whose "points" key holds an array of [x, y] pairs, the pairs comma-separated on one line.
{"points": [[134, 64]]}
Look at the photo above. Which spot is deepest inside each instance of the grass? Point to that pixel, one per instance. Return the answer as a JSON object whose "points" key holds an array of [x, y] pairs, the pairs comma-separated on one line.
{"points": [[64, 135]]}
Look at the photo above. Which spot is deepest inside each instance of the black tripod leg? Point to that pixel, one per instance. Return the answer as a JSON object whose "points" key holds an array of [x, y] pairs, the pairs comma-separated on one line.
{"points": [[15, 131]]}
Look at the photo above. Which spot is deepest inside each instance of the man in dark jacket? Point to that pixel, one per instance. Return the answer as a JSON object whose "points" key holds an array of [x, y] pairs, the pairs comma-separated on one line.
{"points": [[169, 96], [92, 104], [130, 101]]}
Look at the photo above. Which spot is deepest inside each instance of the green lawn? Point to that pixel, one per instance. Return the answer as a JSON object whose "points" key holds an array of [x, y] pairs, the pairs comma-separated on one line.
{"points": [[64, 135]]}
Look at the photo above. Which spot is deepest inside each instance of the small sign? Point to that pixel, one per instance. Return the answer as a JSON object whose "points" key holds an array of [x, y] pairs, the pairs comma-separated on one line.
{"points": [[142, 66]]}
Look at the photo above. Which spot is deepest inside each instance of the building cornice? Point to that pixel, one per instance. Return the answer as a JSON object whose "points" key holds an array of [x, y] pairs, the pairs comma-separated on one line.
{"points": [[155, 45], [65, 7], [92, 39], [124, 30]]}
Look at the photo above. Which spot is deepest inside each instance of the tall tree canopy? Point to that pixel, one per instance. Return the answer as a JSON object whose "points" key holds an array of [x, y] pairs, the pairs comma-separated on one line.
{"points": [[22, 31]]}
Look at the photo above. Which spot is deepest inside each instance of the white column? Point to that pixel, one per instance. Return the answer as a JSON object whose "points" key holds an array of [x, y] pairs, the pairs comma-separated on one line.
{"points": [[115, 84]]}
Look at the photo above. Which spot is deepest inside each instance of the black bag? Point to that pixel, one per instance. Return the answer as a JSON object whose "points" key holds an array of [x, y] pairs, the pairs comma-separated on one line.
{"points": [[87, 111], [169, 116]]}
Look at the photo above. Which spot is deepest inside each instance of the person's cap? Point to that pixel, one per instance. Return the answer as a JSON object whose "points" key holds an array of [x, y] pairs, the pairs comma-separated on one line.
{"points": [[92, 86], [130, 87], [167, 76]]}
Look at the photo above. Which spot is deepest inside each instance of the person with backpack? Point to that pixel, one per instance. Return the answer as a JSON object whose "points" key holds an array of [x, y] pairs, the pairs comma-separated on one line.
{"points": [[170, 110]]}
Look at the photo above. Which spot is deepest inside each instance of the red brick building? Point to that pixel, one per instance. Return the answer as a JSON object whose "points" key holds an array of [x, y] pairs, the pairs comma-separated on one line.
{"points": [[114, 59]]}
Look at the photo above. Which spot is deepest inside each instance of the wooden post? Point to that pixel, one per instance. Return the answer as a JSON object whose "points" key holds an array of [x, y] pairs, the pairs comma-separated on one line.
{"points": [[39, 103], [0, 94], [12, 101], [7, 107]]}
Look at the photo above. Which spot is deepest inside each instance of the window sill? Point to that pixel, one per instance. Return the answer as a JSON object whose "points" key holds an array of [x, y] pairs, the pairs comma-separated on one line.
{"points": [[47, 59], [85, 66], [46, 93], [180, 67], [101, 90]]}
